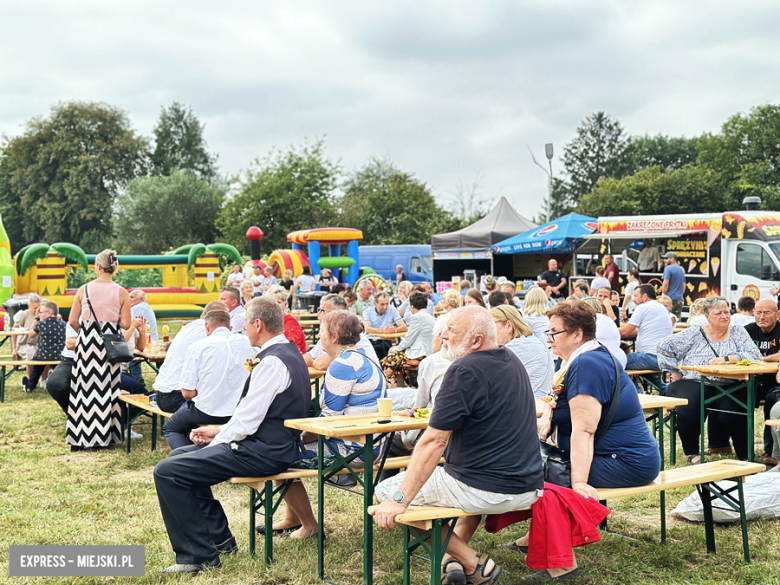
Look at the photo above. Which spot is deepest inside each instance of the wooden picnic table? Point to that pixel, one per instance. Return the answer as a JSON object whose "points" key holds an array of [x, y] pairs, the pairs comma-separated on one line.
{"points": [[387, 336], [152, 357], [6, 335], [15, 365], [359, 428], [746, 375]]}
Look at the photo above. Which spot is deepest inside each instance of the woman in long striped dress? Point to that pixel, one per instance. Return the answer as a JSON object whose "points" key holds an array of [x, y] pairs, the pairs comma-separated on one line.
{"points": [[93, 411]]}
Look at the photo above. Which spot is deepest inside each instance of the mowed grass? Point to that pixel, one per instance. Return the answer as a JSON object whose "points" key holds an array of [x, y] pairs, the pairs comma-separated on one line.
{"points": [[50, 496]]}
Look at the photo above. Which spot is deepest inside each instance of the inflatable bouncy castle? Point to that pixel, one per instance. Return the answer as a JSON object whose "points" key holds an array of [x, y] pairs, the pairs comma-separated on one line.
{"points": [[314, 239]]}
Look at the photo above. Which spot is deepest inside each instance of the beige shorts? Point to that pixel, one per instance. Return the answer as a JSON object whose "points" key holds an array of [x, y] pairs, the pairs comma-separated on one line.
{"points": [[443, 490], [26, 352]]}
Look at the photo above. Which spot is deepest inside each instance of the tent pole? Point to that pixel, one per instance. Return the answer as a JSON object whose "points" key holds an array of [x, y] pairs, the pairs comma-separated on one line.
{"points": [[491, 265]]}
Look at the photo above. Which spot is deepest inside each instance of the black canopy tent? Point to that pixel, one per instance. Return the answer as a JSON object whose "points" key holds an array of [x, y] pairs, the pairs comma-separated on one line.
{"points": [[470, 247]]}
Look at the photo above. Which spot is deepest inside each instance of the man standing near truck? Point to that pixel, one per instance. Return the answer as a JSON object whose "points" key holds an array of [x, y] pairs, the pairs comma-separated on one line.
{"points": [[674, 283]]}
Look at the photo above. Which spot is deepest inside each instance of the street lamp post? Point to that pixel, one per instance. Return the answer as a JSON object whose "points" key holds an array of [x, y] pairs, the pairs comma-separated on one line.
{"points": [[548, 151]]}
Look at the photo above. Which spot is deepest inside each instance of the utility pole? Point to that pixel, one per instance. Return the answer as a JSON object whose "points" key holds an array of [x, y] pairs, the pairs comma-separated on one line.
{"points": [[548, 151]]}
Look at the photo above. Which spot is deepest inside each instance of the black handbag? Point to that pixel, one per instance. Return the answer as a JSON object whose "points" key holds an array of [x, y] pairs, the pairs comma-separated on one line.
{"points": [[117, 350], [556, 462]]}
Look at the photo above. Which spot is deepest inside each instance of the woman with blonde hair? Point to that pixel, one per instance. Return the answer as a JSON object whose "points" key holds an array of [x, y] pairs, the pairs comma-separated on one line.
{"points": [[513, 332], [696, 313], [535, 310], [247, 291], [403, 292], [99, 307], [450, 300]]}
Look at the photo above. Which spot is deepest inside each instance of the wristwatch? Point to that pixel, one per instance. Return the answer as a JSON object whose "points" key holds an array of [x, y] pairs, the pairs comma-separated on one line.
{"points": [[399, 498]]}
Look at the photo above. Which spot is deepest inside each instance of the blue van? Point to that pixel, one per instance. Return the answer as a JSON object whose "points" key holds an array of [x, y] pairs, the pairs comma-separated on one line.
{"points": [[417, 262]]}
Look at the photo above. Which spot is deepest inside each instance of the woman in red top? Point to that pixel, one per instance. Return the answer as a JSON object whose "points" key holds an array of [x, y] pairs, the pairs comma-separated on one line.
{"points": [[292, 329]]}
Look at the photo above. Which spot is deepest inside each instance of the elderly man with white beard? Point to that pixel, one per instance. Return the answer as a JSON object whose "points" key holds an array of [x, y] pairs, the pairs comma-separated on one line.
{"points": [[484, 423]]}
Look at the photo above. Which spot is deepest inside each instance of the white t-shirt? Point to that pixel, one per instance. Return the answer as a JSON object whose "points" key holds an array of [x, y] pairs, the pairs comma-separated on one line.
{"points": [[145, 310], [69, 332], [648, 259], [700, 320], [600, 282], [235, 279], [740, 319], [216, 368], [630, 288], [539, 324], [170, 372], [257, 282], [306, 282], [607, 333], [653, 324]]}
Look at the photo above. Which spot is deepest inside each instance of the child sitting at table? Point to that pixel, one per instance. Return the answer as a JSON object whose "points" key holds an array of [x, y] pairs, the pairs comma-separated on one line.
{"points": [[50, 332]]}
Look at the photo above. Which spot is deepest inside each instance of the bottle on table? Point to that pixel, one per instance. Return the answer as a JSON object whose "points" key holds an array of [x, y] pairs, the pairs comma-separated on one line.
{"points": [[148, 334], [166, 333]]}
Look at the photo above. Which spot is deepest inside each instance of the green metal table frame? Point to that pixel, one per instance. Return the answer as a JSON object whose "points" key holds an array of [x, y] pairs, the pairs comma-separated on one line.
{"points": [[4, 375], [750, 384], [710, 492], [660, 423], [646, 381], [128, 420]]}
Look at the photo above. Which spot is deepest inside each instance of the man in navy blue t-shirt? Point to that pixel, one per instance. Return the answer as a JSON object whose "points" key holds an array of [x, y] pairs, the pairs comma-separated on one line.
{"points": [[484, 423], [674, 282]]}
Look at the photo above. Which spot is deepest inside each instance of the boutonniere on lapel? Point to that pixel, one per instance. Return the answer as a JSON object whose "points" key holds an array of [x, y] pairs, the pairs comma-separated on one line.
{"points": [[556, 387], [251, 363]]}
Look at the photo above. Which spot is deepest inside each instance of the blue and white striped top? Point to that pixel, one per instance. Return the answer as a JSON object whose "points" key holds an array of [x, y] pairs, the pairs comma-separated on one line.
{"points": [[352, 385]]}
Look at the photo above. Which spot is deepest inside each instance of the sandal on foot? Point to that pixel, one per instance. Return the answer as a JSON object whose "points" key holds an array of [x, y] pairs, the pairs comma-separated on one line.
{"points": [[694, 459], [515, 547], [478, 577], [261, 529], [452, 573], [545, 576]]}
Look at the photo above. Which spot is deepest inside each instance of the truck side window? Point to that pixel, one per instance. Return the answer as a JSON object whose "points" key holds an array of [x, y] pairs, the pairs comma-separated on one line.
{"points": [[753, 261], [416, 264]]}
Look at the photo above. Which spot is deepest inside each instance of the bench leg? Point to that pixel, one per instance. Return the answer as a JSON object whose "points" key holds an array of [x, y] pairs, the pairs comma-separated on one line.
{"points": [[437, 554], [252, 533], [265, 499], [154, 431], [663, 515], [433, 542], [673, 438], [128, 422], [659, 419], [269, 521], [2, 385], [743, 521], [709, 526], [407, 557]]}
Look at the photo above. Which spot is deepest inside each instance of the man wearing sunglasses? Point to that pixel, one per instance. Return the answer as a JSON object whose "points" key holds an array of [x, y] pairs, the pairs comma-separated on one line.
{"points": [[765, 332], [50, 332]]}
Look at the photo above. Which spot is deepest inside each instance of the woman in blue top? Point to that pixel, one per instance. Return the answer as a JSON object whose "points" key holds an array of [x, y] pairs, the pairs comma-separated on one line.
{"points": [[581, 395], [353, 383]]}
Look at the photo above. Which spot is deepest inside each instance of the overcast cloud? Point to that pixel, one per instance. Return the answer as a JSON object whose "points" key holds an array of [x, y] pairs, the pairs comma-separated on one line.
{"points": [[446, 89]]}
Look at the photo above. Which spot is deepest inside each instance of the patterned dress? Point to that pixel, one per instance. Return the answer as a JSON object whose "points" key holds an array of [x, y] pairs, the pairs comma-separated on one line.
{"points": [[93, 413]]}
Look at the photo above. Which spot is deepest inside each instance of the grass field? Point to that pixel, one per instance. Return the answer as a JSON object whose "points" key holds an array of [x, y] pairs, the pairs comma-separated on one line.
{"points": [[50, 496]]}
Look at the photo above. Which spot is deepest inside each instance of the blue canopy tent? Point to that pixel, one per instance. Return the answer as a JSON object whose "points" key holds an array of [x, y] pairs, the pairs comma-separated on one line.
{"points": [[560, 236]]}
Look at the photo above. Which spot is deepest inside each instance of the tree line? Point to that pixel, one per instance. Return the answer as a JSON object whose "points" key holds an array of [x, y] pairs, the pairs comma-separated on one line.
{"points": [[608, 172], [84, 175]]}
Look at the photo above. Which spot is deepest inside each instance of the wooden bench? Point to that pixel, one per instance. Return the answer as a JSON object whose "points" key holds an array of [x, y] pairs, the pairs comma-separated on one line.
{"points": [[423, 524], [141, 401], [262, 493], [16, 366]]}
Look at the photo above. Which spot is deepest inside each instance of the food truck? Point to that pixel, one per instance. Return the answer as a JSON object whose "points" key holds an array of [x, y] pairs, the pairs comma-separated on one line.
{"points": [[731, 254]]}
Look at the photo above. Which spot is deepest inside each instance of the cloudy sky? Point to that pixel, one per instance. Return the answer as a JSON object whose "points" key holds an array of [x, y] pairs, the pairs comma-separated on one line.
{"points": [[448, 90]]}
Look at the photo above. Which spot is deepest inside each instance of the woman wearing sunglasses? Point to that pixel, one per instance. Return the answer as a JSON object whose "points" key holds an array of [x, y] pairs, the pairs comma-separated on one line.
{"points": [[715, 343]]}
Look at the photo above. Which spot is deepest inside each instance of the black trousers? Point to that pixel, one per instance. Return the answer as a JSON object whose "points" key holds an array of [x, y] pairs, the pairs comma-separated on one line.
{"points": [[58, 384], [35, 375], [195, 521], [170, 401], [381, 347], [396, 449], [177, 428], [720, 425], [767, 390]]}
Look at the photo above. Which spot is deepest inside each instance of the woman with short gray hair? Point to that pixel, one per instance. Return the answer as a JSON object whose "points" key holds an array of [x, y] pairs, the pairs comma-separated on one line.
{"points": [[715, 343]]}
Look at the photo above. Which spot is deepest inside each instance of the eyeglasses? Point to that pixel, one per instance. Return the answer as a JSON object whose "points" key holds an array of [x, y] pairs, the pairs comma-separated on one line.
{"points": [[552, 336], [764, 313]]}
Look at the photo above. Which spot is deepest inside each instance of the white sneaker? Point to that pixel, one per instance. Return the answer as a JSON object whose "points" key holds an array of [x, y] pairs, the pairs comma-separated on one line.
{"points": [[134, 435], [43, 384]]}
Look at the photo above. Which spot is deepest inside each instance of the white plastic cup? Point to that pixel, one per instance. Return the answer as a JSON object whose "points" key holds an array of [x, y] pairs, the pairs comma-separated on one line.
{"points": [[385, 407]]}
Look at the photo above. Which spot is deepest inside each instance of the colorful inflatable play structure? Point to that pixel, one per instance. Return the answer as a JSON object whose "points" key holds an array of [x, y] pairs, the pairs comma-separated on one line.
{"points": [[314, 239], [190, 275]]}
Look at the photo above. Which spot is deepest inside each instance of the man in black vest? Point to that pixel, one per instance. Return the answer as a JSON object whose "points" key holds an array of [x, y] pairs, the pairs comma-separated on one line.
{"points": [[253, 443]]}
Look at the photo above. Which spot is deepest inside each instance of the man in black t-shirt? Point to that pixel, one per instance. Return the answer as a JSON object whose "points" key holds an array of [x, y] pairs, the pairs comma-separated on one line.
{"points": [[556, 280], [484, 423], [766, 333]]}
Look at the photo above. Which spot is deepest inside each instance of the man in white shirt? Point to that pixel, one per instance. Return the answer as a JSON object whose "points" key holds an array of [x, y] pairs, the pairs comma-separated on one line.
{"points": [[212, 378], [650, 323], [649, 257], [257, 280], [316, 356], [254, 443], [166, 385], [140, 308], [232, 298]]}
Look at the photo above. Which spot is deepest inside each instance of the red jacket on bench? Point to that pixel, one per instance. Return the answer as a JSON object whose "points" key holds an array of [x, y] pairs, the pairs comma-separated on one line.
{"points": [[560, 520]]}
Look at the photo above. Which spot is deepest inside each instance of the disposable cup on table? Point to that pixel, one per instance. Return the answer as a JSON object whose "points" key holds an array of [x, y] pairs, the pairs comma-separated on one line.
{"points": [[385, 407]]}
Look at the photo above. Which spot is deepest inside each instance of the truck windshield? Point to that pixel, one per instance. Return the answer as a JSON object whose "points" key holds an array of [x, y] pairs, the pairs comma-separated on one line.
{"points": [[428, 262], [775, 248]]}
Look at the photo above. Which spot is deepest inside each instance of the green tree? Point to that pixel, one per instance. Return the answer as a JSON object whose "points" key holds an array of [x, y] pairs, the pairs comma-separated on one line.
{"points": [[179, 144], [284, 192], [746, 154], [155, 213], [662, 151], [60, 177], [600, 149], [390, 206], [686, 190]]}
